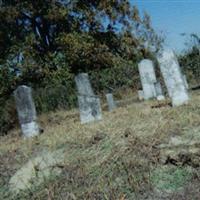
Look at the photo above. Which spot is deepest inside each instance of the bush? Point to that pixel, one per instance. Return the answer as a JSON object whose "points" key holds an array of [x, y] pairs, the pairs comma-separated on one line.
{"points": [[114, 78], [190, 62], [8, 115]]}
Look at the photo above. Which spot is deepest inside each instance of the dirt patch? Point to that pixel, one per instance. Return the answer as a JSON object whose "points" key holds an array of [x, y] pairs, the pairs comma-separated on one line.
{"points": [[182, 149]]}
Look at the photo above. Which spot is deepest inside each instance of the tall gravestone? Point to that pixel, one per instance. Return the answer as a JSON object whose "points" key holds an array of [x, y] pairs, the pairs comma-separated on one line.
{"points": [[173, 78], [89, 103], [26, 111], [148, 78], [110, 101]]}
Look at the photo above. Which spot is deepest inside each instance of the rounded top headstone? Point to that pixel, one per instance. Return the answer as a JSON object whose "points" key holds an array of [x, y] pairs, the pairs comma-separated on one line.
{"points": [[146, 62], [83, 84]]}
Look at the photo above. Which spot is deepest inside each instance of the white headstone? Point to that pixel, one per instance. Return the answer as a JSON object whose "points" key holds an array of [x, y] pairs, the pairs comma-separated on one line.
{"points": [[110, 101], [173, 78], [89, 104], [26, 111], [159, 92], [141, 94], [148, 78]]}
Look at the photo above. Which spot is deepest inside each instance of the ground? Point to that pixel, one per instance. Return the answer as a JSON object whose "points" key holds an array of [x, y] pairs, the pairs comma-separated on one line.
{"points": [[142, 150]]}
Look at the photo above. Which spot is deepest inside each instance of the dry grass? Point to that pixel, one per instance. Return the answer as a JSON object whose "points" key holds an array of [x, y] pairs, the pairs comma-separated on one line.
{"points": [[111, 159]]}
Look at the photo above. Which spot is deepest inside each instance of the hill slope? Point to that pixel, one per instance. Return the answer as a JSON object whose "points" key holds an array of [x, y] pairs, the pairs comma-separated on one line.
{"points": [[146, 150]]}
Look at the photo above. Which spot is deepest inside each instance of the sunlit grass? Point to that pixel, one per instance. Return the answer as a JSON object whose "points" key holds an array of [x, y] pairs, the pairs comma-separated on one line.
{"points": [[114, 154]]}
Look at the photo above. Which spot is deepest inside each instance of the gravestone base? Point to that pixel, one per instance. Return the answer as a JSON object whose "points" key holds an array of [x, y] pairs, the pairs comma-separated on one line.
{"points": [[30, 129], [90, 109], [180, 100], [160, 98]]}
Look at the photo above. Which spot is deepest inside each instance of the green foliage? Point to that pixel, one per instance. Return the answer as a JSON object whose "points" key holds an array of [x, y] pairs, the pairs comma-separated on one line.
{"points": [[190, 60], [56, 92], [104, 38], [170, 179], [8, 115], [121, 75]]}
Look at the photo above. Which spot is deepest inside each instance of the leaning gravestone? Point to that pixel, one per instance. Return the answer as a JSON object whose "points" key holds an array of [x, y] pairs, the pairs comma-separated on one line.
{"points": [[110, 101], [26, 111], [89, 104], [148, 78], [173, 78]]}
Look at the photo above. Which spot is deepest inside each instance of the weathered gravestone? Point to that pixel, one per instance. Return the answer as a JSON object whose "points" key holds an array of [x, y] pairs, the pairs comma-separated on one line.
{"points": [[26, 111], [148, 78], [173, 78], [110, 101], [89, 103], [159, 92]]}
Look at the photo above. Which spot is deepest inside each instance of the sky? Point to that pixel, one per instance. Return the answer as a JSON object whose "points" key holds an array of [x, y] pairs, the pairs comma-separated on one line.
{"points": [[173, 17]]}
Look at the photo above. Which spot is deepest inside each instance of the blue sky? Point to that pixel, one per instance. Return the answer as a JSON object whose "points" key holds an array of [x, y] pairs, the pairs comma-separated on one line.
{"points": [[173, 17]]}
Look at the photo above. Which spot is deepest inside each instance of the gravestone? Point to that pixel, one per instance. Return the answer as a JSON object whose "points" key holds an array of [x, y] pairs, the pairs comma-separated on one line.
{"points": [[140, 94], [159, 92], [26, 111], [83, 84], [110, 101], [148, 78], [185, 81], [173, 78], [89, 104]]}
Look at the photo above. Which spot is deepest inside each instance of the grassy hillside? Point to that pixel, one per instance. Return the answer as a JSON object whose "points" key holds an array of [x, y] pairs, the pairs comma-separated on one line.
{"points": [[145, 150]]}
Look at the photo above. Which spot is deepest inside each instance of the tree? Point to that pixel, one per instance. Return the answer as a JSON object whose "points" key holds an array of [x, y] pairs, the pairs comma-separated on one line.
{"points": [[43, 43], [83, 28]]}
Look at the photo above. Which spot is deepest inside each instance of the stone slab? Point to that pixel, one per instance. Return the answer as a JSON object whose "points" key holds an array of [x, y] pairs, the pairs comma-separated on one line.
{"points": [[172, 75], [25, 104], [110, 101], [26, 111], [90, 109], [148, 78], [83, 84]]}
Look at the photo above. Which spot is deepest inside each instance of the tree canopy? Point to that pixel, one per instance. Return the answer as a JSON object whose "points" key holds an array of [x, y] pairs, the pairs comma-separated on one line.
{"points": [[89, 34]]}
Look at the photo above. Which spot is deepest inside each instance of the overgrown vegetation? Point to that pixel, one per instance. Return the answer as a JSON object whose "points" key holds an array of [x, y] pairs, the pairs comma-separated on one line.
{"points": [[117, 158], [190, 59]]}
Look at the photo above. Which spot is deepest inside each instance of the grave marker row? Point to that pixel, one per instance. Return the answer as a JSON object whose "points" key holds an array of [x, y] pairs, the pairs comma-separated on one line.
{"points": [[89, 103], [151, 87], [175, 82]]}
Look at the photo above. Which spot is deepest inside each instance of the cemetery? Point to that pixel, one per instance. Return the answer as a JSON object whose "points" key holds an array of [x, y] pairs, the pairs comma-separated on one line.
{"points": [[167, 141], [94, 111]]}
